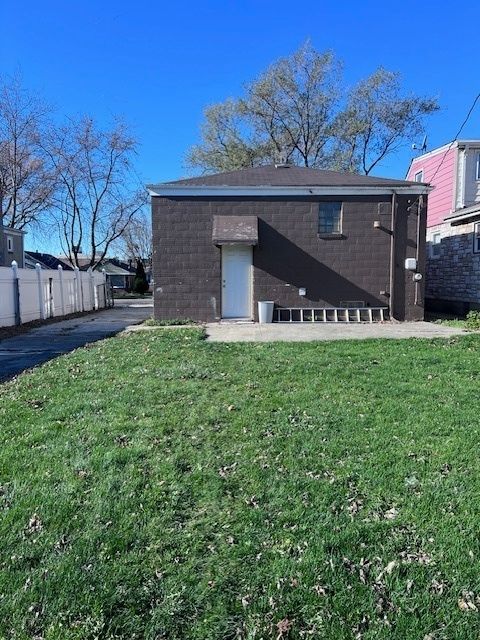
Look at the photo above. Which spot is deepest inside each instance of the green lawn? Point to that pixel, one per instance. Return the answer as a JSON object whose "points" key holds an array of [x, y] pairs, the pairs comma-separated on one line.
{"points": [[158, 486]]}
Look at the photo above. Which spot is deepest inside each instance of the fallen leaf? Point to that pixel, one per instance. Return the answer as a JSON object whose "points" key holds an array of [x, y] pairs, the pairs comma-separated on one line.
{"points": [[283, 627], [391, 514]]}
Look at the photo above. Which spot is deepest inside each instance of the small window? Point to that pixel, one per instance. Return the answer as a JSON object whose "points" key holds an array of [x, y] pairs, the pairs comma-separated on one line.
{"points": [[477, 168], [436, 245], [9, 244], [476, 238], [330, 218], [419, 176]]}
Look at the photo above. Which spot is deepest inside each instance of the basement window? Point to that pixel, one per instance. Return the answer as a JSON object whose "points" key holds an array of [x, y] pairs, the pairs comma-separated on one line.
{"points": [[476, 238], [436, 245], [330, 218], [9, 244]]}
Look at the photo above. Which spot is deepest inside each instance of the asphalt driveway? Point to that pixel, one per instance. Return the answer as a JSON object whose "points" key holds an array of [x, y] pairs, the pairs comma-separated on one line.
{"points": [[27, 350]]}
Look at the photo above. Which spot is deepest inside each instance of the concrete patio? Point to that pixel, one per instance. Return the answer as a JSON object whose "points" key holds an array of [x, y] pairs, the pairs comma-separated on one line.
{"points": [[301, 332]]}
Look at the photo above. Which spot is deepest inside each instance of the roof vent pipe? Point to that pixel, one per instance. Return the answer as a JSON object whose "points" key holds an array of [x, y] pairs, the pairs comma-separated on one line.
{"points": [[282, 160]]}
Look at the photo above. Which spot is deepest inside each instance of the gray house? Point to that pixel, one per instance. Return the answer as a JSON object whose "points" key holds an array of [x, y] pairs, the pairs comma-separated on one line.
{"points": [[11, 246], [322, 245]]}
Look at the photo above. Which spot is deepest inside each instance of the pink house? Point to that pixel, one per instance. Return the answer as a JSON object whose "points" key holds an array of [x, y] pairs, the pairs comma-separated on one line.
{"points": [[453, 224]]}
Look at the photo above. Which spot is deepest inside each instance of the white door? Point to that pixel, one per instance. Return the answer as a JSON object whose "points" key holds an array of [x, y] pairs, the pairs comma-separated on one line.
{"points": [[236, 281]]}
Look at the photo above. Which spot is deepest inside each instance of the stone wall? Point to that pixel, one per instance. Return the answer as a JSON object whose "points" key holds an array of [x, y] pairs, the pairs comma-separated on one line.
{"points": [[455, 274]]}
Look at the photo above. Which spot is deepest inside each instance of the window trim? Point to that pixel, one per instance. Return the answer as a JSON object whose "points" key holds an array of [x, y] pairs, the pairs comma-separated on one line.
{"points": [[477, 167], [418, 173], [476, 237], [330, 234], [10, 247]]}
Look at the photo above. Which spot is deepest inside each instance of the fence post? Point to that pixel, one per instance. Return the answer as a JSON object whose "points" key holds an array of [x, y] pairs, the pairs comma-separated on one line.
{"points": [[76, 296], [41, 304], [62, 297], [16, 293], [91, 286], [105, 304], [80, 289]]}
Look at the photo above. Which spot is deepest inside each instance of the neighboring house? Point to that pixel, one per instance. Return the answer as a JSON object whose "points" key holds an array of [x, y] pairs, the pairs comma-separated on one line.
{"points": [[45, 260], [120, 274], [453, 224], [11, 246], [306, 239]]}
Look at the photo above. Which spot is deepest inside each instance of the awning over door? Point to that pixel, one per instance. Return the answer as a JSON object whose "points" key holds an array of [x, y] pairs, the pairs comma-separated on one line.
{"points": [[235, 230]]}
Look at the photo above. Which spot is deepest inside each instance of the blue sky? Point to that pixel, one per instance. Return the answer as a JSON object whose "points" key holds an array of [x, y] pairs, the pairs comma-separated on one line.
{"points": [[159, 64]]}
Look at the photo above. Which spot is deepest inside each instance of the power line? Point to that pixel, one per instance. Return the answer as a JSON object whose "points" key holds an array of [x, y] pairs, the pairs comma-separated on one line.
{"points": [[470, 111], [467, 117]]}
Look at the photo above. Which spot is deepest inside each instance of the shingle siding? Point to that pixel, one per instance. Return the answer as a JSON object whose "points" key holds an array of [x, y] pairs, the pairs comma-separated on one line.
{"points": [[290, 255]]}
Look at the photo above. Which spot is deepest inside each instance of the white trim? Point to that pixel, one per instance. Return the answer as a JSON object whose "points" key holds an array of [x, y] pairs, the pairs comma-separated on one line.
{"points": [[460, 216], [434, 244], [267, 191], [445, 147], [15, 232], [433, 152], [469, 143], [463, 177], [456, 166], [10, 247], [475, 225]]}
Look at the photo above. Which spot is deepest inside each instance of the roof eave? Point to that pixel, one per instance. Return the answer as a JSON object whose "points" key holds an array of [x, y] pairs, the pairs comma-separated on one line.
{"points": [[463, 215], [170, 190]]}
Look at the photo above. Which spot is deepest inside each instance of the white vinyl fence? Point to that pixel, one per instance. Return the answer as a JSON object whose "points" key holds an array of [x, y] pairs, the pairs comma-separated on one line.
{"points": [[38, 294]]}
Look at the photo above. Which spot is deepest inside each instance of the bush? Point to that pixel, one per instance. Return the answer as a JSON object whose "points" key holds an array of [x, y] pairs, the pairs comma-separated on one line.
{"points": [[473, 320]]}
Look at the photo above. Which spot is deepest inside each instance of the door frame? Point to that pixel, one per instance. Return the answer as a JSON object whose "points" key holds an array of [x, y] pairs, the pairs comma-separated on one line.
{"points": [[250, 284]]}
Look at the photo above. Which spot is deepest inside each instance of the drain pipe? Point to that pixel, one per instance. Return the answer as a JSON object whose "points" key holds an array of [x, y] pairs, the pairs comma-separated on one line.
{"points": [[392, 252], [417, 250]]}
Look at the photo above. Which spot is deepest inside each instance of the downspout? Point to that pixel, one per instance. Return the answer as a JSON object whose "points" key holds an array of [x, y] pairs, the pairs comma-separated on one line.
{"points": [[464, 176], [417, 250], [392, 253]]}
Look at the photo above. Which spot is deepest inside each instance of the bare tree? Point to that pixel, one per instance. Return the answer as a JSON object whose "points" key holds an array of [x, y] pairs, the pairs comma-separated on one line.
{"points": [[97, 192], [135, 243], [26, 183]]}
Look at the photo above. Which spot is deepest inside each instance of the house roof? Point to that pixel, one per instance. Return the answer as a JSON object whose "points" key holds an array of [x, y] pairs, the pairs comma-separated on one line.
{"points": [[283, 177], [288, 176], [49, 261], [114, 267], [465, 214]]}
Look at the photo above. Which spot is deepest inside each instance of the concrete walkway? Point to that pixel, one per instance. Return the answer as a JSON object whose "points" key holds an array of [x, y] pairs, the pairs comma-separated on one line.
{"points": [[249, 332], [34, 347]]}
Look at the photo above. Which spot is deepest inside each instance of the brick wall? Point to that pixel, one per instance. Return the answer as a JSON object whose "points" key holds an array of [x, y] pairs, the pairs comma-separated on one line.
{"points": [[290, 255]]}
